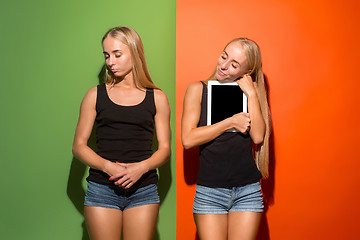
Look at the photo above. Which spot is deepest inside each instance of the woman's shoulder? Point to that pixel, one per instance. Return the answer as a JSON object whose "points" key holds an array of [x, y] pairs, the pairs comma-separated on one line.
{"points": [[161, 101], [91, 94], [195, 87], [160, 96], [159, 93], [196, 84], [89, 99]]}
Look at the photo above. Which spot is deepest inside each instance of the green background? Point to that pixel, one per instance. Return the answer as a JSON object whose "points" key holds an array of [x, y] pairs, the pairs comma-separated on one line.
{"points": [[50, 56]]}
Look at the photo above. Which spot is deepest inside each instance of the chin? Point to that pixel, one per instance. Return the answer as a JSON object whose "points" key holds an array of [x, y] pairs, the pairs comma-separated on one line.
{"points": [[219, 78], [224, 79]]}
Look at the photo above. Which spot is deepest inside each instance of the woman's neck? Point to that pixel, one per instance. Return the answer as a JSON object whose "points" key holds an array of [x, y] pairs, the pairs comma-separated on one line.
{"points": [[126, 82]]}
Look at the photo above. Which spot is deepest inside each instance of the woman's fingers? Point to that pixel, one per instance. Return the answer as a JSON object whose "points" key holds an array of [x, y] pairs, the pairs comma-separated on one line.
{"points": [[121, 181], [242, 122]]}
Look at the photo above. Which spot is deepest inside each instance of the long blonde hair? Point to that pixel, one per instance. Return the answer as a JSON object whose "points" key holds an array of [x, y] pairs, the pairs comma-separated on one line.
{"points": [[140, 72], [252, 51]]}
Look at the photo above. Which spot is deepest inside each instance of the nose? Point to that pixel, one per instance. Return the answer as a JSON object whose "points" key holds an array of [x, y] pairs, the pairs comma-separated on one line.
{"points": [[224, 65], [110, 61]]}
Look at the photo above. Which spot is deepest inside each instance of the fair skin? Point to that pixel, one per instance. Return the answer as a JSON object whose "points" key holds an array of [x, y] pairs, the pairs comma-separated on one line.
{"points": [[231, 66], [138, 222]]}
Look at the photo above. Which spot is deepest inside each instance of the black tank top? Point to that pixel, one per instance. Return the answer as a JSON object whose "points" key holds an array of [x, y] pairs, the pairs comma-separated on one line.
{"points": [[124, 134], [226, 161]]}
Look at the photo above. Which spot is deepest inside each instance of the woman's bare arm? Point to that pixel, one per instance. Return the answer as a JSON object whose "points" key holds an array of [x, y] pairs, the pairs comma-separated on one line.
{"points": [[84, 127], [191, 134]]}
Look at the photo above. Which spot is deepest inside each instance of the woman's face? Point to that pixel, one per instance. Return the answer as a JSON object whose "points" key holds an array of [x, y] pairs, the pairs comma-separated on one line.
{"points": [[232, 63], [117, 56]]}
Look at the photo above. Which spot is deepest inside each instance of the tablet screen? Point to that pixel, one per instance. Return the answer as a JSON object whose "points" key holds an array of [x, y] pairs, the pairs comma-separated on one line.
{"points": [[224, 100]]}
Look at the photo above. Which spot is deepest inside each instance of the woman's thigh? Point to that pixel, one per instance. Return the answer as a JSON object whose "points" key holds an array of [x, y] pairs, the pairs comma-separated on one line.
{"points": [[211, 226], [140, 222], [103, 223], [243, 225]]}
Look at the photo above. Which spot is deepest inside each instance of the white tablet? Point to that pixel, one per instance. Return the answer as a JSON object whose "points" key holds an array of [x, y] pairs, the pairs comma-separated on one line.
{"points": [[224, 100]]}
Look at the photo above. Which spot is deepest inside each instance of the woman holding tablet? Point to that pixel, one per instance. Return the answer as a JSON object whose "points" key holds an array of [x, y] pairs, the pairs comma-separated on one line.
{"points": [[122, 195], [228, 203]]}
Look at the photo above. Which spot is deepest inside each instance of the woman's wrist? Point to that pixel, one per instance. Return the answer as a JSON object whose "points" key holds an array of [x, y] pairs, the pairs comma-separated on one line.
{"points": [[252, 94], [145, 166], [228, 123], [107, 167]]}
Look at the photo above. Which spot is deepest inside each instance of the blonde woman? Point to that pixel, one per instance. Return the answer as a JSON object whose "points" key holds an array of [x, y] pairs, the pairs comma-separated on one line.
{"points": [[122, 197], [228, 201]]}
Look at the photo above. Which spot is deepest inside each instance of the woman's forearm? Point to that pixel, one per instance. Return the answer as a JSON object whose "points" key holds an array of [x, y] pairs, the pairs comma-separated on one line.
{"points": [[201, 135], [258, 127], [85, 154]]}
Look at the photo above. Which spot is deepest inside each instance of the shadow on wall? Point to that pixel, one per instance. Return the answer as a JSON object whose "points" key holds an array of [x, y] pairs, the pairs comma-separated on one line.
{"points": [[164, 182], [191, 165], [191, 168], [75, 190], [78, 171]]}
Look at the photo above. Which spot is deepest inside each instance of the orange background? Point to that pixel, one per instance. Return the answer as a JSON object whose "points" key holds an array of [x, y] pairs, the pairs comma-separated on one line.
{"points": [[310, 55]]}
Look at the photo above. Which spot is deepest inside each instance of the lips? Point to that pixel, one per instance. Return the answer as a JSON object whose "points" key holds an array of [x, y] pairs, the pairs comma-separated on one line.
{"points": [[221, 73]]}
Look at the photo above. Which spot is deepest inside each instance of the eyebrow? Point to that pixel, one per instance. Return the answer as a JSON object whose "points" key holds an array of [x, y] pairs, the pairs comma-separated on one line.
{"points": [[233, 59], [115, 51]]}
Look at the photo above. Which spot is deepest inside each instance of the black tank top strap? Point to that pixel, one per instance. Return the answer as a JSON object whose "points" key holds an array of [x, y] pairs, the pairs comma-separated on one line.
{"points": [[100, 97], [150, 99]]}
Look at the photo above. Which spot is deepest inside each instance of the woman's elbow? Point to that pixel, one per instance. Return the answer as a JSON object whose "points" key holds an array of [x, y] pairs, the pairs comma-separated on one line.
{"points": [[76, 149], [186, 146], [186, 143], [165, 151], [257, 138], [168, 153], [258, 141]]}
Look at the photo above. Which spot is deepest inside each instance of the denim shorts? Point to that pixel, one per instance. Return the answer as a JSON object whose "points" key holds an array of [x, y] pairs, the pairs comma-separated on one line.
{"points": [[223, 200], [110, 196]]}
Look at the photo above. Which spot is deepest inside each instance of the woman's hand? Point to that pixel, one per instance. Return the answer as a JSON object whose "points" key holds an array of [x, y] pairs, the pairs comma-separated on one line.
{"points": [[241, 122], [130, 174], [114, 169], [247, 85]]}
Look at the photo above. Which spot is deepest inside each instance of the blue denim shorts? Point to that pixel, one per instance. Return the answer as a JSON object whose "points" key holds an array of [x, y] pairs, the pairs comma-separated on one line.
{"points": [[223, 200], [110, 196]]}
